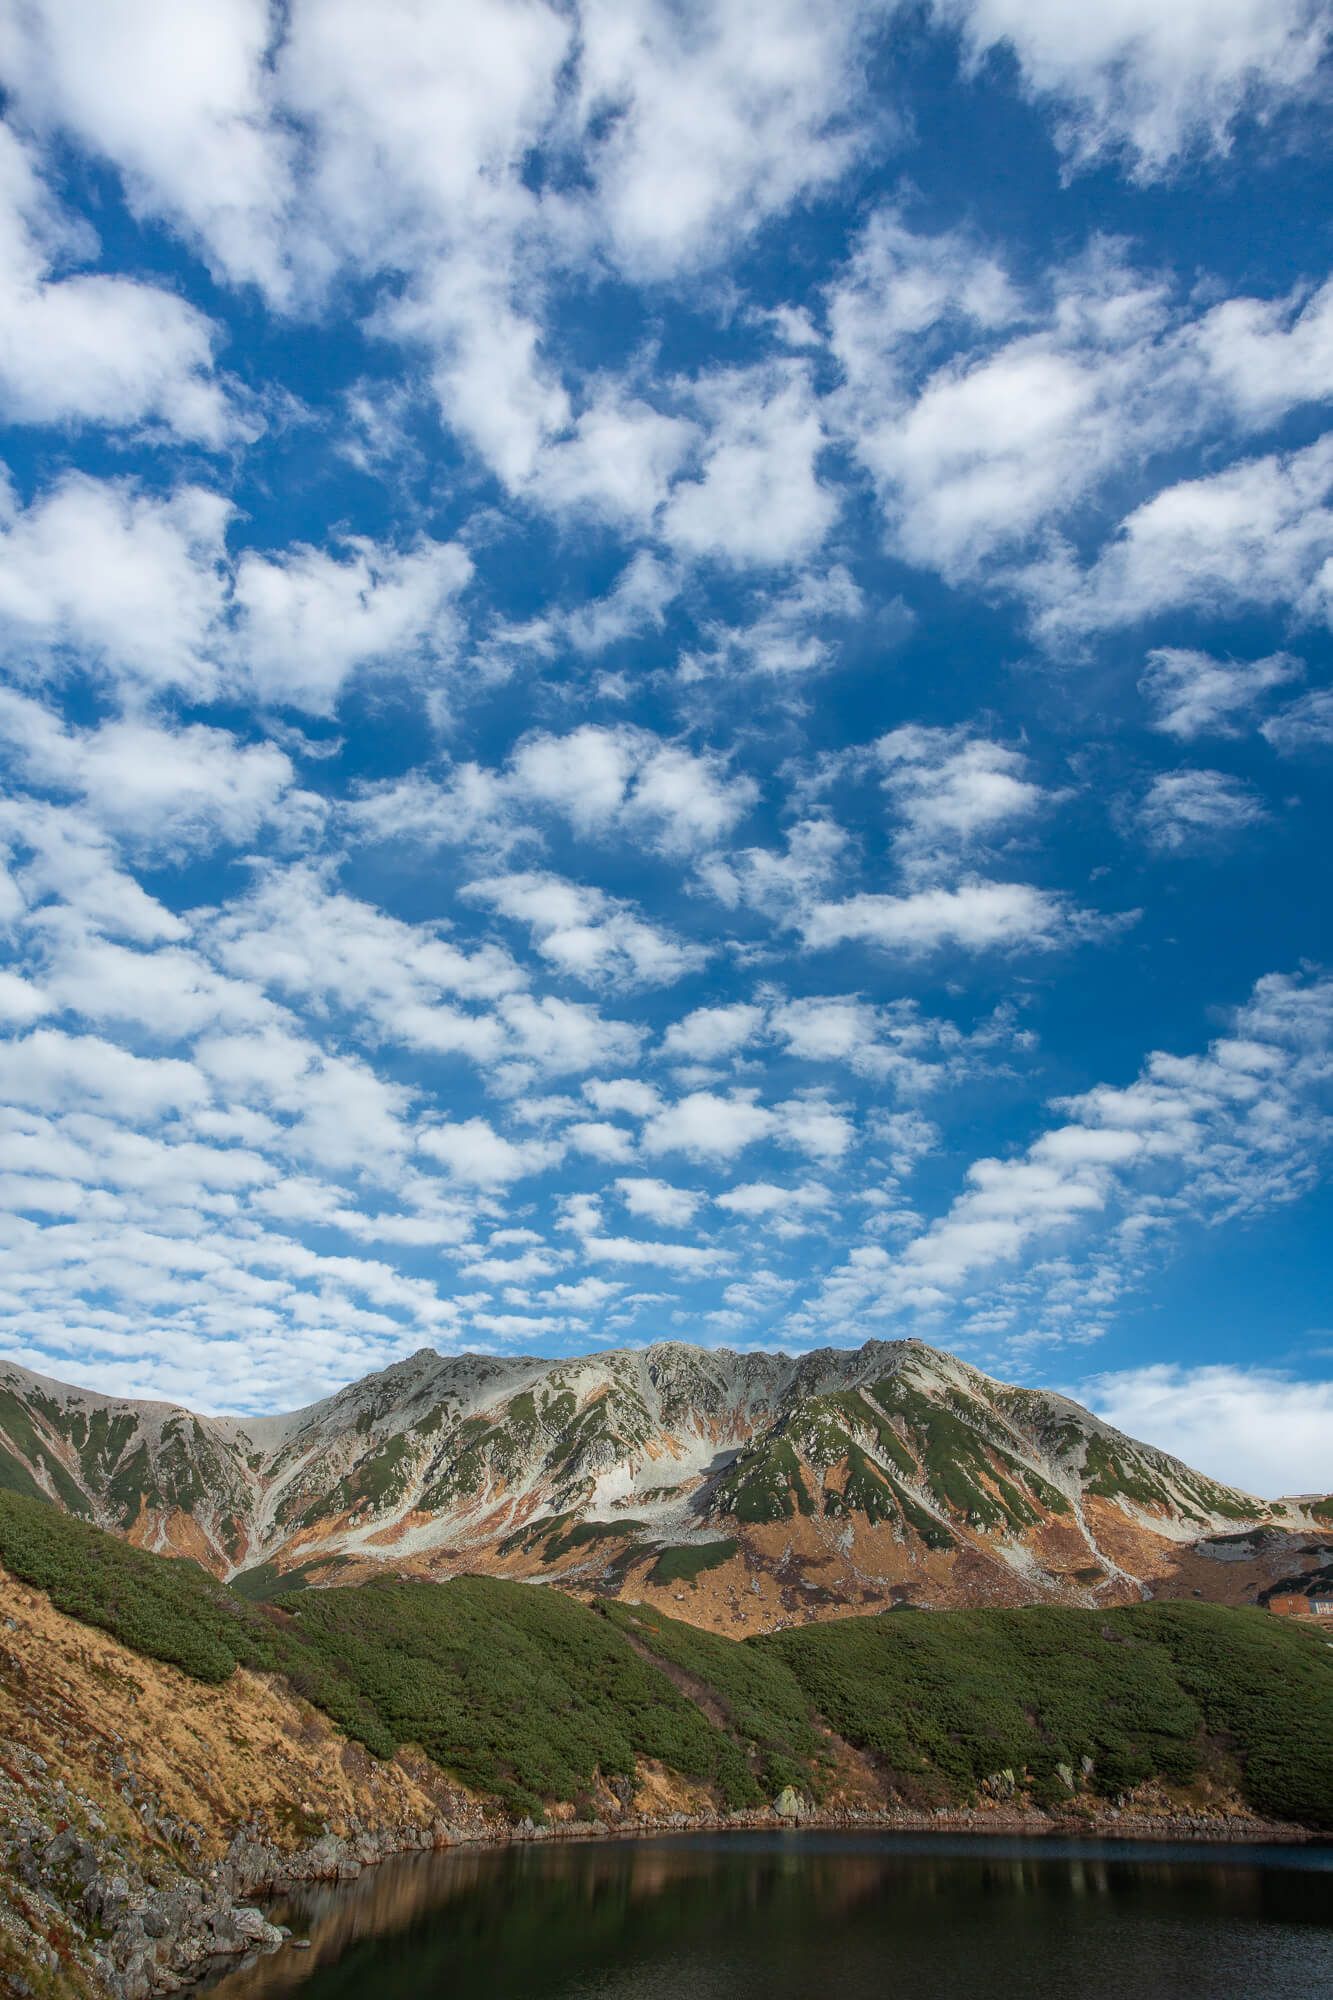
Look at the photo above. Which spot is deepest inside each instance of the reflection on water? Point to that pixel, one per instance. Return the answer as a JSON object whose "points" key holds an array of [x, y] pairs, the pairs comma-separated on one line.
{"points": [[794, 1915]]}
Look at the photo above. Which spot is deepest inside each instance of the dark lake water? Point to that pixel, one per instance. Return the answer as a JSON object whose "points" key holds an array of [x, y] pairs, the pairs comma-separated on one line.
{"points": [[791, 1916]]}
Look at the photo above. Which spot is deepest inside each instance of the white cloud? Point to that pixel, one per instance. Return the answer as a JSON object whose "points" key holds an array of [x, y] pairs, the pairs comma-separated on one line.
{"points": [[791, 633], [726, 116], [706, 1126], [759, 499], [476, 1155], [636, 602], [604, 782], [691, 1259], [752, 1199], [809, 1124], [908, 1136], [508, 1329], [588, 935], [117, 579], [894, 1043], [511, 1270], [90, 348], [899, 285], [1212, 1137], [1306, 725], [54, 1071], [1034, 402], [953, 792], [296, 934], [1182, 810], [21, 1000], [561, 1036], [781, 885], [1270, 354], [373, 96], [693, 128], [292, 153], [471, 806], [985, 417], [712, 1032], [99, 573], [344, 1117], [587, 1295], [494, 389], [599, 1139], [165, 791], [629, 780], [622, 1093], [176, 97], [1258, 533], [672, 1207], [164, 995], [978, 916], [1255, 1428], [409, 983], [305, 620], [1148, 81], [68, 857], [1192, 694], [615, 464]]}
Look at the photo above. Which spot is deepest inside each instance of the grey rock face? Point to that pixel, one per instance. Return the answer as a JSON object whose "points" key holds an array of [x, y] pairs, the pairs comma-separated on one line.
{"points": [[445, 1440]]}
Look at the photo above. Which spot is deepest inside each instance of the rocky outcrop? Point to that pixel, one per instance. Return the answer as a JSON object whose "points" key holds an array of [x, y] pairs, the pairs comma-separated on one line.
{"points": [[142, 1813], [94, 1913]]}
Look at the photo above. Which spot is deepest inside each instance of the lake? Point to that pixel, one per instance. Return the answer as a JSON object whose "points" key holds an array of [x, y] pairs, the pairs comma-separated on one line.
{"points": [[788, 1916]]}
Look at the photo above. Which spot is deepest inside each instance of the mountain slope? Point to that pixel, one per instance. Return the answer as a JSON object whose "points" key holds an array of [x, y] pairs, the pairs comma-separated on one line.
{"points": [[531, 1698], [161, 1757], [758, 1489]]}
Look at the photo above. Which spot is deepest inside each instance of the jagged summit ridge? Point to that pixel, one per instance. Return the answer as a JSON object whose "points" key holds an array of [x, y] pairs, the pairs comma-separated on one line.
{"points": [[847, 1475]]}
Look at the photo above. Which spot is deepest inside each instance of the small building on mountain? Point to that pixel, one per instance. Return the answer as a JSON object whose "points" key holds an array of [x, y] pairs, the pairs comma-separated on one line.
{"points": [[1295, 1604]]}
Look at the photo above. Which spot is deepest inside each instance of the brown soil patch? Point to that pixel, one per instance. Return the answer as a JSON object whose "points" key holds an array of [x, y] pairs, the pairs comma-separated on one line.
{"points": [[211, 1756]]}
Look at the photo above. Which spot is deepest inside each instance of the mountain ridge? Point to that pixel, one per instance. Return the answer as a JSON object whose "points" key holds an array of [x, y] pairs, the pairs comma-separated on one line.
{"points": [[774, 1486]]}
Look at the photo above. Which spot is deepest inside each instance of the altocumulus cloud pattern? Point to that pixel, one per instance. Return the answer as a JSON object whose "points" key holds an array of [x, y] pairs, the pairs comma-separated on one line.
{"points": [[666, 674]]}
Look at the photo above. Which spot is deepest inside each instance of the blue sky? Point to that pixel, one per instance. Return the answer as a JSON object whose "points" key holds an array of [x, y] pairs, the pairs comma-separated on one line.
{"points": [[667, 674]]}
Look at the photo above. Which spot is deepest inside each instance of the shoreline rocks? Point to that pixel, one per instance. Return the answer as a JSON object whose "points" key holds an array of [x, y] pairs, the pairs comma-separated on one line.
{"points": [[115, 1932]]}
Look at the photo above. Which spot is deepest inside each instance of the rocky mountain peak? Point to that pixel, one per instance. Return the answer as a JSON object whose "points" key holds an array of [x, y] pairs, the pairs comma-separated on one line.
{"points": [[811, 1482]]}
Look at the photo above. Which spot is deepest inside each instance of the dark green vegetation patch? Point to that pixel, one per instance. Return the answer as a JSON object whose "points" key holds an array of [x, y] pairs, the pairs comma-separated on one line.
{"points": [[760, 1698], [527, 1694], [765, 1484], [167, 1608], [687, 1561], [15, 1476], [558, 1535], [943, 1699], [520, 1691], [958, 1457], [265, 1581]]}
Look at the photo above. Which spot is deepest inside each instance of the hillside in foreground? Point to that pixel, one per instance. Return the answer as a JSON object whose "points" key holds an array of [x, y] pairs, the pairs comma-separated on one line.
{"points": [[164, 1737], [753, 1490]]}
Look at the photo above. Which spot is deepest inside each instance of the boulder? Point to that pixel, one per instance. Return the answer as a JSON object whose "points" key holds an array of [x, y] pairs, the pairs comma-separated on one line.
{"points": [[68, 1851], [325, 1857]]}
